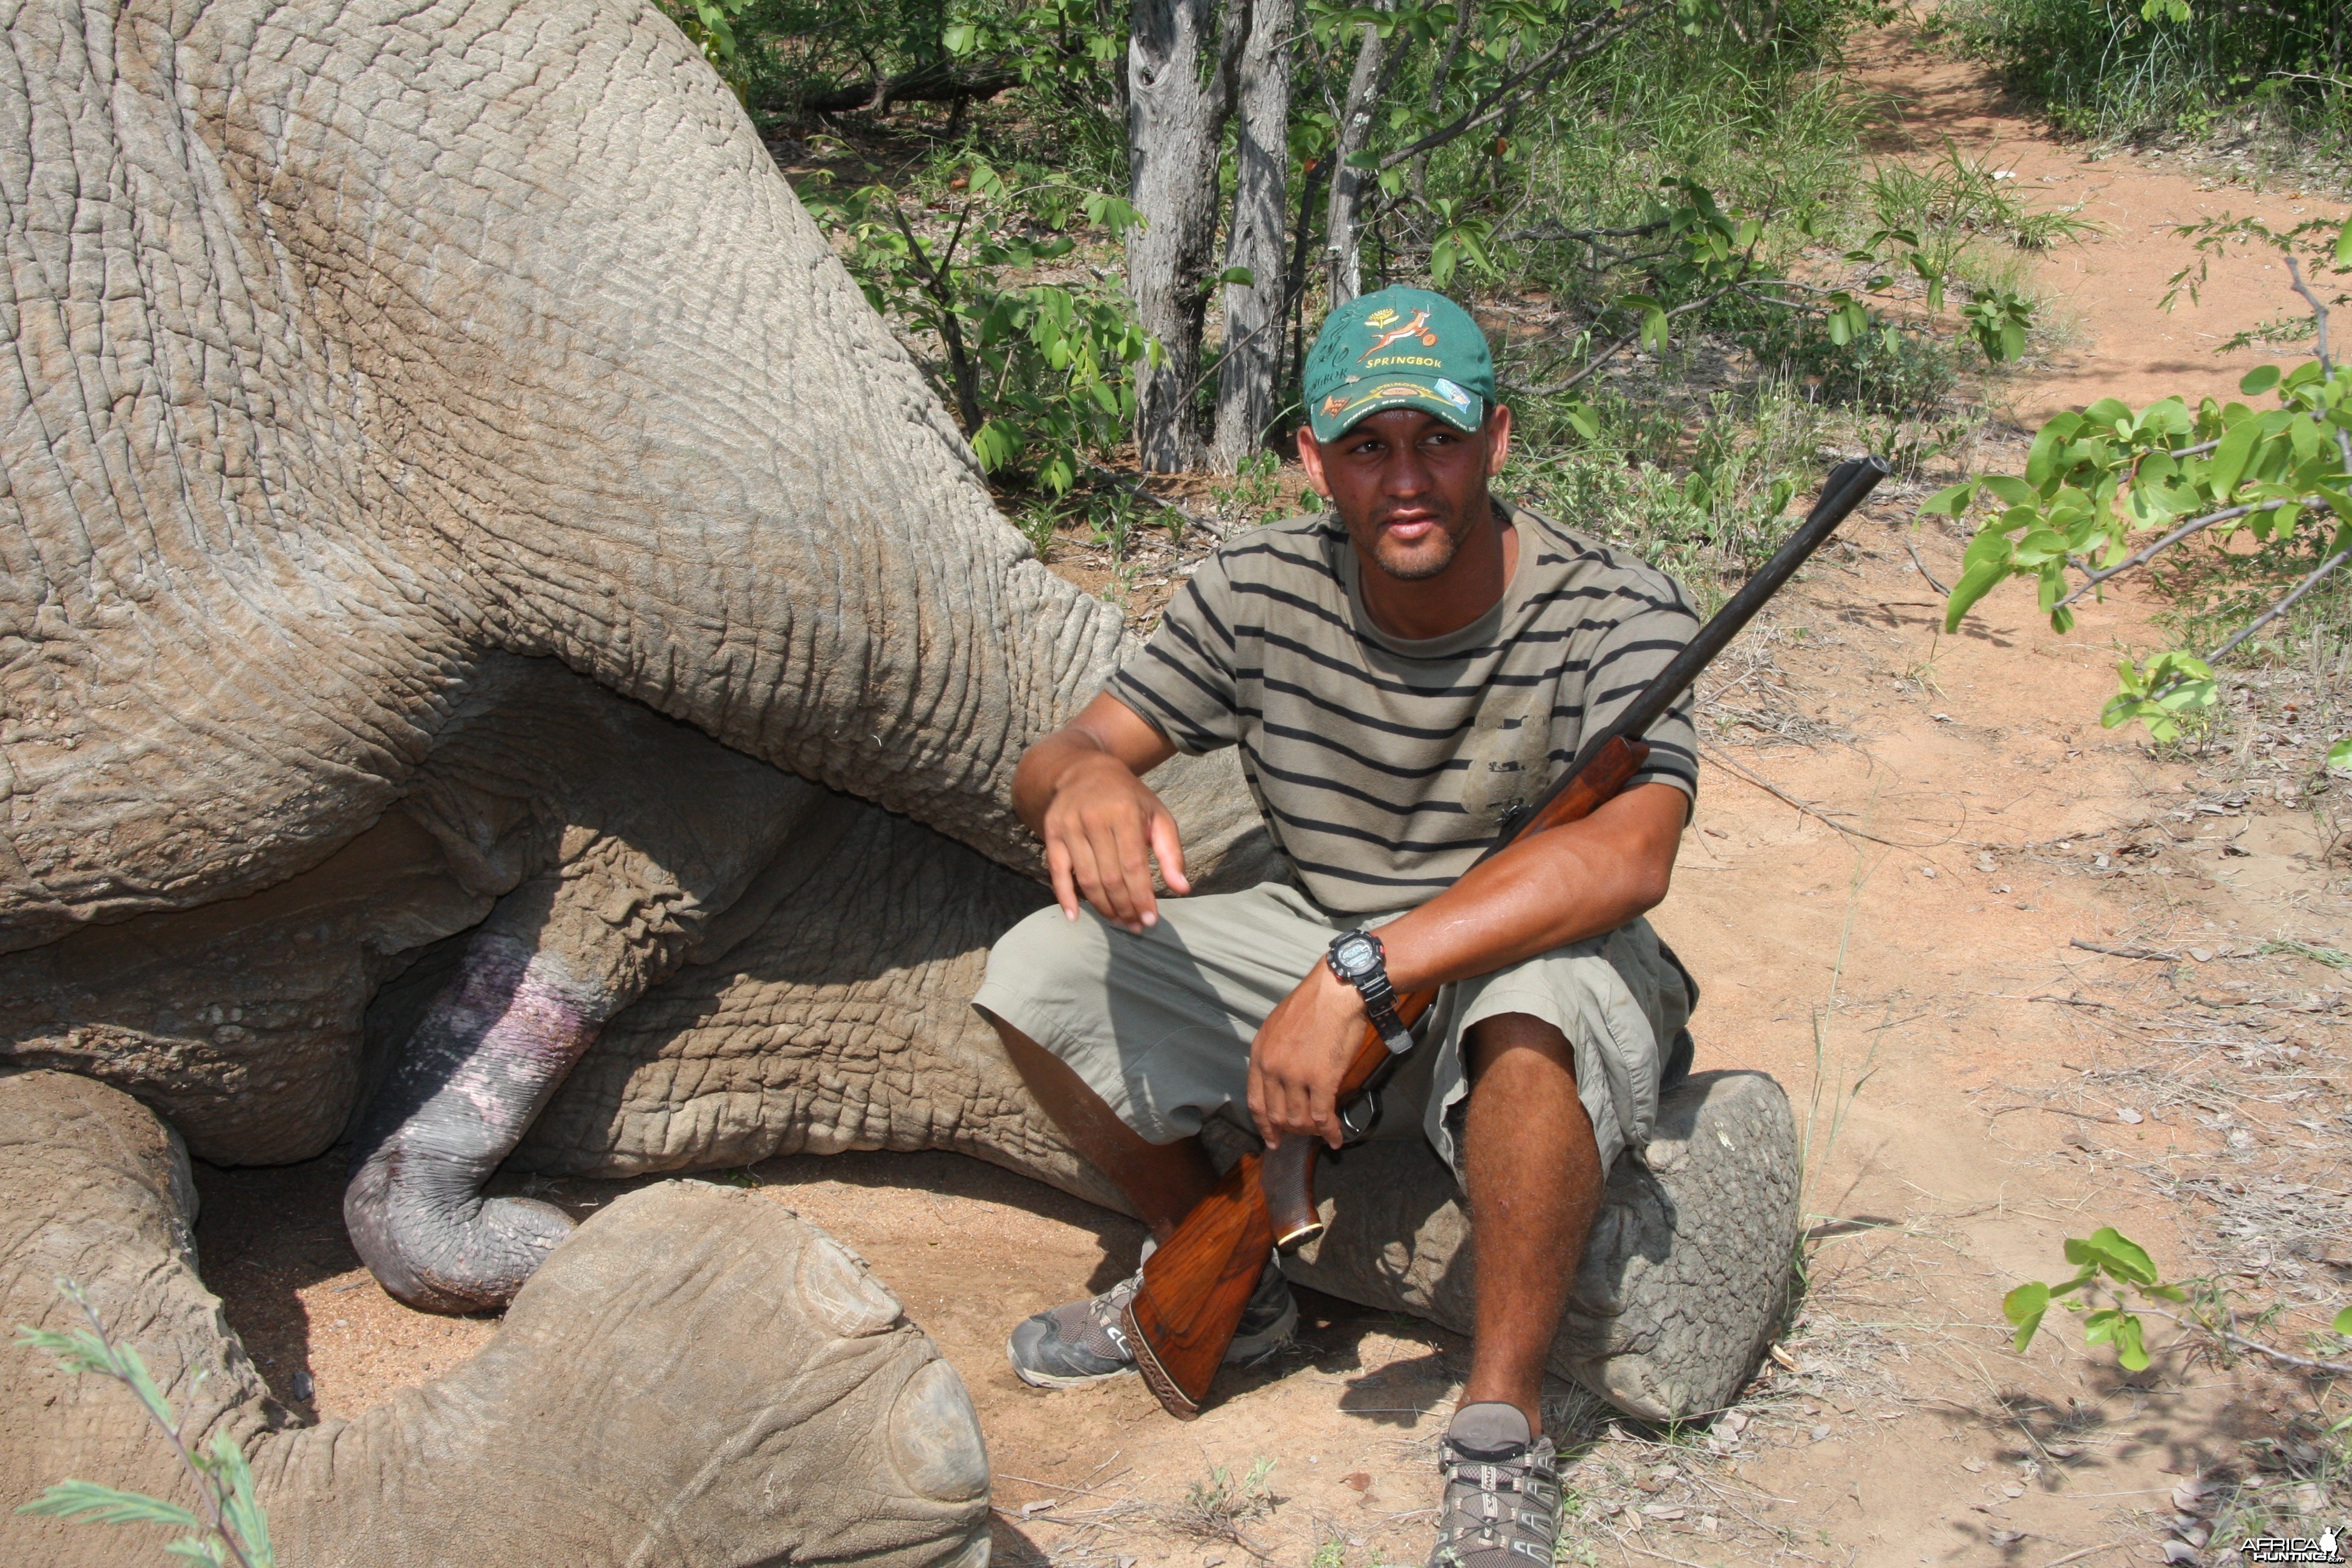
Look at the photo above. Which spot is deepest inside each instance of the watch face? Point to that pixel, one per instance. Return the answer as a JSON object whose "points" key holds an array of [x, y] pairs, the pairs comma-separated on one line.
{"points": [[1356, 956]]}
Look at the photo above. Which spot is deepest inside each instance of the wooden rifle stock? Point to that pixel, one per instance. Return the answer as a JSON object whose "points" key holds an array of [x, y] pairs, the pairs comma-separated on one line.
{"points": [[1196, 1285]]}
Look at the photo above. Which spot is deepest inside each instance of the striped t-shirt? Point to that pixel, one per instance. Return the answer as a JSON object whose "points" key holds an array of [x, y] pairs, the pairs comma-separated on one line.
{"points": [[1385, 766]]}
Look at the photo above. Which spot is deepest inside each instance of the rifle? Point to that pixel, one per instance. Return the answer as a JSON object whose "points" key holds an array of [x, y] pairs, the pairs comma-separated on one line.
{"points": [[1195, 1285]]}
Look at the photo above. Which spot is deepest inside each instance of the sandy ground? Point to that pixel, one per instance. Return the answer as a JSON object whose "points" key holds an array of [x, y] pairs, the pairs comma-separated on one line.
{"points": [[1901, 838]]}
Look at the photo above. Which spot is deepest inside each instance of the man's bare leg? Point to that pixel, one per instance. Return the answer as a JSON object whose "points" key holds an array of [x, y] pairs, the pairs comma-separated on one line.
{"points": [[1163, 1180], [1535, 1180]]}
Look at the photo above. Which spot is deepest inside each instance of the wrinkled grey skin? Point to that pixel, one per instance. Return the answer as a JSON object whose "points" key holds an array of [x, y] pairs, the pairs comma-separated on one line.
{"points": [[596, 1427]]}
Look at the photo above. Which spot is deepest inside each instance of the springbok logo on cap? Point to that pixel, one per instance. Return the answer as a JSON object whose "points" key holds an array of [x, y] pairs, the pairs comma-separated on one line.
{"points": [[1416, 328]]}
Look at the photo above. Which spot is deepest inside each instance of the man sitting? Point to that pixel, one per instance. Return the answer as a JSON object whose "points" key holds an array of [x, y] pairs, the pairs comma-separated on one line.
{"points": [[1402, 674]]}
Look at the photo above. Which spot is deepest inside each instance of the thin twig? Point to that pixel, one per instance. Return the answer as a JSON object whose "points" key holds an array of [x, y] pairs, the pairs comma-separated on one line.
{"points": [[2078, 1556], [1923, 570], [1587, 41], [1602, 359], [1660, 1556], [2048, 1110], [1806, 806], [2230, 1336], [2126, 952]]}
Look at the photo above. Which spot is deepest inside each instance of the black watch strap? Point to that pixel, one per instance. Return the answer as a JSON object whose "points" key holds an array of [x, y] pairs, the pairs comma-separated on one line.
{"points": [[1372, 984]]}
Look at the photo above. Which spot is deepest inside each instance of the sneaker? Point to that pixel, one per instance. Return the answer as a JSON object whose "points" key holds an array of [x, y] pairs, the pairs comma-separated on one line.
{"points": [[1082, 1341], [1502, 1492]]}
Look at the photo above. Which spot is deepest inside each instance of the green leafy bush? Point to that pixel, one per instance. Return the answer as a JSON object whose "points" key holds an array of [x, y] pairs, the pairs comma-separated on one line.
{"points": [[1041, 374], [2108, 490], [2128, 67]]}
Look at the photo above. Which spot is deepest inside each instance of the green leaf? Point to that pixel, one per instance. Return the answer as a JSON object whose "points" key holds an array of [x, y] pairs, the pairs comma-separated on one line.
{"points": [[2339, 756], [2344, 1317], [2259, 379], [2013, 492], [2024, 1306], [1240, 275], [1584, 420], [2110, 1249], [2229, 460], [1975, 583], [2129, 1350], [958, 40], [1952, 500], [105, 1505]]}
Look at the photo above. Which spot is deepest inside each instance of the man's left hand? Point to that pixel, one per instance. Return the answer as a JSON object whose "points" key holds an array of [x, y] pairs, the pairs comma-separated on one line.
{"points": [[1301, 1053]]}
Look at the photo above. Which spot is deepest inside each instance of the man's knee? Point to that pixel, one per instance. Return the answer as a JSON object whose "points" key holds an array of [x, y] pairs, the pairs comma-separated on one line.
{"points": [[1492, 1038], [1036, 970]]}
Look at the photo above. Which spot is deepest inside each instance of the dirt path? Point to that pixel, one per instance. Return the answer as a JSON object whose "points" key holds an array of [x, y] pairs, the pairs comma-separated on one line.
{"points": [[1899, 953], [2108, 289]]}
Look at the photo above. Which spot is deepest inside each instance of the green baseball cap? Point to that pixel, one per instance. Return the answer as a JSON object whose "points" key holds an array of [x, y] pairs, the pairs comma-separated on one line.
{"points": [[1401, 348]]}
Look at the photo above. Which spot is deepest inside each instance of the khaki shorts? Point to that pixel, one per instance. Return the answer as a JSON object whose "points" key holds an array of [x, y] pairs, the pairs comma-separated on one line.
{"points": [[1160, 1025]]}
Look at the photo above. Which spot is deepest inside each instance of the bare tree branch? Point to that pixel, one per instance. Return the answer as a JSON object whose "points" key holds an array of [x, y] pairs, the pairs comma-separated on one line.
{"points": [[2282, 606], [1587, 40], [2092, 579]]}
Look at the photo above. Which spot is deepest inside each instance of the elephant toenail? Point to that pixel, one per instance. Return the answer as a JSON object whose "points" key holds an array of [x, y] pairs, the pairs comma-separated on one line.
{"points": [[935, 1437], [842, 1294]]}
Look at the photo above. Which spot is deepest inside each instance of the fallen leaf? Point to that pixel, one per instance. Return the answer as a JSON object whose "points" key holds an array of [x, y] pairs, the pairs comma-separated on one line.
{"points": [[2006, 1537], [1786, 1361], [2179, 1551], [2193, 1496], [1820, 1433], [1973, 1466], [1357, 1479], [2012, 1491], [1663, 1510], [2126, 1114]]}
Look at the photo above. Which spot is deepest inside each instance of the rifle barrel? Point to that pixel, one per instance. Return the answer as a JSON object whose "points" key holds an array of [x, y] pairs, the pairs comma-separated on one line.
{"points": [[1843, 492]]}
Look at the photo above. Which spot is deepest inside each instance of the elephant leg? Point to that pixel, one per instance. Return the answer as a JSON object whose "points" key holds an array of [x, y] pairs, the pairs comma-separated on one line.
{"points": [[700, 1378]]}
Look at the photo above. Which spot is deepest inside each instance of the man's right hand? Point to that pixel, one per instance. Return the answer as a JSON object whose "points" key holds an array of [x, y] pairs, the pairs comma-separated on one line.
{"points": [[1081, 790]]}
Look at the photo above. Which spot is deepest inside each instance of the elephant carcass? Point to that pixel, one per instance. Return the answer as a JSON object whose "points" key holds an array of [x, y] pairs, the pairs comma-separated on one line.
{"points": [[451, 486], [697, 1377]]}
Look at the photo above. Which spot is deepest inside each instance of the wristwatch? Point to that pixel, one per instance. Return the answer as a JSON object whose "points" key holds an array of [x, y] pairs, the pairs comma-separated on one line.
{"points": [[1358, 958]]}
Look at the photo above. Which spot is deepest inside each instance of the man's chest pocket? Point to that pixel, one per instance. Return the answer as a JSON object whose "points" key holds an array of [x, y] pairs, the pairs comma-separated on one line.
{"points": [[1506, 759]]}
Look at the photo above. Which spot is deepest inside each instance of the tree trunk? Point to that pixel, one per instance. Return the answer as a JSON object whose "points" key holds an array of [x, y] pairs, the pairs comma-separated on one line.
{"points": [[1342, 264], [1246, 391], [1176, 109]]}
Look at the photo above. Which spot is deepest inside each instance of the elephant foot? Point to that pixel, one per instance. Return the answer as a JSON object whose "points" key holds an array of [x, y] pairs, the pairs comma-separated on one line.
{"points": [[695, 1377], [1683, 1282]]}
